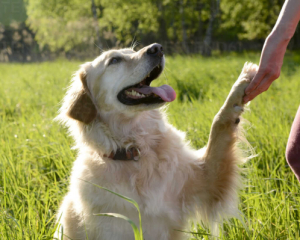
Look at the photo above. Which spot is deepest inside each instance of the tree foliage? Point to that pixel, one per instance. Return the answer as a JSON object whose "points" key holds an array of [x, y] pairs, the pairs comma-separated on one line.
{"points": [[250, 19], [61, 24], [65, 24]]}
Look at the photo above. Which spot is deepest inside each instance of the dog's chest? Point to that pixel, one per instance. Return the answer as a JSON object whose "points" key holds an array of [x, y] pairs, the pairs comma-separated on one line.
{"points": [[152, 189]]}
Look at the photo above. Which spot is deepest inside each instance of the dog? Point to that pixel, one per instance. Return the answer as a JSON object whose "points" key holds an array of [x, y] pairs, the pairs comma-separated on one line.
{"points": [[126, 144]]}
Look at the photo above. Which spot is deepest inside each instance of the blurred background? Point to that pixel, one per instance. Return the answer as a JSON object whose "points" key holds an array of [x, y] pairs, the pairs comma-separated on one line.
{"points": [[207, 42], [36, 30]]}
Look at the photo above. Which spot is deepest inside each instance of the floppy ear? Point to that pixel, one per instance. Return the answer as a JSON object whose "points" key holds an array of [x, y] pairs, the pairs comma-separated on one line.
{"points": [[83, 108]]}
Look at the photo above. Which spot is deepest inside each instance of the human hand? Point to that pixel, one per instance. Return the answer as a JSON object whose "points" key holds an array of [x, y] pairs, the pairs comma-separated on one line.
{"points": [[269, 67]]}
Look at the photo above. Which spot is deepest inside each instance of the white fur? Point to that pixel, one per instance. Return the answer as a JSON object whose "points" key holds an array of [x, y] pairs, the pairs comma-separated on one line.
{"points": [[171, 182]]}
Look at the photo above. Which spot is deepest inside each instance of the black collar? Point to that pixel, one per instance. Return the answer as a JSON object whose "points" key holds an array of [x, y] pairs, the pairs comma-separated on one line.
{"points": [[132, 153]]}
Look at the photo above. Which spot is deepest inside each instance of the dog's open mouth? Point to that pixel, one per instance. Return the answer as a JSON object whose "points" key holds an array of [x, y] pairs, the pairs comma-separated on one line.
{"points": [[142, 92]]}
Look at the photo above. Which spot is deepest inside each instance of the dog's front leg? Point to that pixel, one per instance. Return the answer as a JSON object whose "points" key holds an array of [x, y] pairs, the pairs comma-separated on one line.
{"points": [[223, 135], [221, 156]]}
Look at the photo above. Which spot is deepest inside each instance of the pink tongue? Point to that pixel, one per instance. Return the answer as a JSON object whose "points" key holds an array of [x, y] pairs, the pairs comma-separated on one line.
{"points": [[166, 92]]}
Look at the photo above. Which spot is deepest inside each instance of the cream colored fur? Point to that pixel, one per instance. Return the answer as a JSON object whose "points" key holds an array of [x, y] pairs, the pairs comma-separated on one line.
{"points": [[172, 182]]}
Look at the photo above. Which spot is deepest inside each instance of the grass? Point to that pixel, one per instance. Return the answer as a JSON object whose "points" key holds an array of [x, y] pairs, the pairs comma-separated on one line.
{"points": [[36, 156]]}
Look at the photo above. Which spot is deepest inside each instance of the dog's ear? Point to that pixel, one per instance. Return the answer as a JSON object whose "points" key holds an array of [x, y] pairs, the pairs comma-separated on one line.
{"points": [[83, 108]]}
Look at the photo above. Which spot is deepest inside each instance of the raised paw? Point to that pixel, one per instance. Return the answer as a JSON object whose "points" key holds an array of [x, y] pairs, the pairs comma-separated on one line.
{"points": [[237, 92], [234, 106]]}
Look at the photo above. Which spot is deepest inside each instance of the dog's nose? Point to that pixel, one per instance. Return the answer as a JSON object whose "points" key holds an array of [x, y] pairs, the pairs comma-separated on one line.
{"points": [[155, 50]]}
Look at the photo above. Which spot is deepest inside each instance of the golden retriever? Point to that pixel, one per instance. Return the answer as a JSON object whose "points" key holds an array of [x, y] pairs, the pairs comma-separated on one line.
{"points": [[126, 144]]}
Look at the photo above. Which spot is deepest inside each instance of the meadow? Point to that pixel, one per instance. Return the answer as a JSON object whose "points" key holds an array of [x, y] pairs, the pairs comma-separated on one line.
{"points": [[36, 155]]}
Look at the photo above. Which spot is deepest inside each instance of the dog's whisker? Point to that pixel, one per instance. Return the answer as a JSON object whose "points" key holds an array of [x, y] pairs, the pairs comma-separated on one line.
{"points": [[108, 48], [167, 80], [132, 43], [135, 45], [167, 69], [101, 50]]}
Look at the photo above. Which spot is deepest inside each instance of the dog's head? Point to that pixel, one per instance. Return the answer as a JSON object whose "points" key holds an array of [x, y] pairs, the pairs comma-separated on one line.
{"points": [[118, 80]]}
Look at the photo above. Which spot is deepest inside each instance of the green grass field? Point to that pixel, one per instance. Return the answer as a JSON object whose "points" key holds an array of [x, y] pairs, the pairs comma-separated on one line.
{"points": [[36, 156]]}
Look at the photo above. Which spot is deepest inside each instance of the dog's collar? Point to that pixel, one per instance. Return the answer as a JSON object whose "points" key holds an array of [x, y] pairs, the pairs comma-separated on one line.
{"points": [[132, 153]]}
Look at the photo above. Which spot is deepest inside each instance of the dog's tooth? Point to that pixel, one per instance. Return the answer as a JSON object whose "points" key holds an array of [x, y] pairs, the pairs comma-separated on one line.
{"points": [[134, 93]]}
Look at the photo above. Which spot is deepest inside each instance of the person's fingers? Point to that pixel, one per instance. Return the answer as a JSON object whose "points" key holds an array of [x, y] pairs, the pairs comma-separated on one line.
{"points": [[252, 95], [255, 82], [262, 87]]}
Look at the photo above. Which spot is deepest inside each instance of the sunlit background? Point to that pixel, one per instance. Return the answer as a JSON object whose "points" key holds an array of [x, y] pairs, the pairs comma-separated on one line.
{"points": [[207, 42], [36, 30]]}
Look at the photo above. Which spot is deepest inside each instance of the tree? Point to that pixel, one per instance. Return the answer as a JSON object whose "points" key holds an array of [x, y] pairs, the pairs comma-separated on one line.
{"points": [[130, 18], [68, 24], [249, 19], [163, 34], [61, 24], [96, 24], [183, 28], [65, 24], [214, 11]]}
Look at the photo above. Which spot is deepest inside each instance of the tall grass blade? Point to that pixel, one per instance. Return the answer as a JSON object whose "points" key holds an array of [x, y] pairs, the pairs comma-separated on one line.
{"points": [[128, 200], [137, 235]]}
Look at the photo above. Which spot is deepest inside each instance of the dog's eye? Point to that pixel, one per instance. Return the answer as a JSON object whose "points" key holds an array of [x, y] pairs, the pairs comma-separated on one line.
{"points": [[114, 60]]}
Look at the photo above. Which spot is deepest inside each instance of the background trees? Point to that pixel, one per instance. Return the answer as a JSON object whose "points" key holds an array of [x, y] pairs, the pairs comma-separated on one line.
{"points": [[185, 26]]}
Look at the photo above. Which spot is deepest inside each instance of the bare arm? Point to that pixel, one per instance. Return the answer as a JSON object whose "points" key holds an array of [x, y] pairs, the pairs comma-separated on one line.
{"points": [[274, 49]]}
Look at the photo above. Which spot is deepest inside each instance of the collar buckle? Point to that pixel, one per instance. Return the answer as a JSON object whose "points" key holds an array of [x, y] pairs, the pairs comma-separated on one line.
{"points": [[132, 153]]}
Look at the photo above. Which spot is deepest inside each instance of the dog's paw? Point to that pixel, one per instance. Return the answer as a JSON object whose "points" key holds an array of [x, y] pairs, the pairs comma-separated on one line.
{"points": [[237, 92], [234, 105], [248, 72]]}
